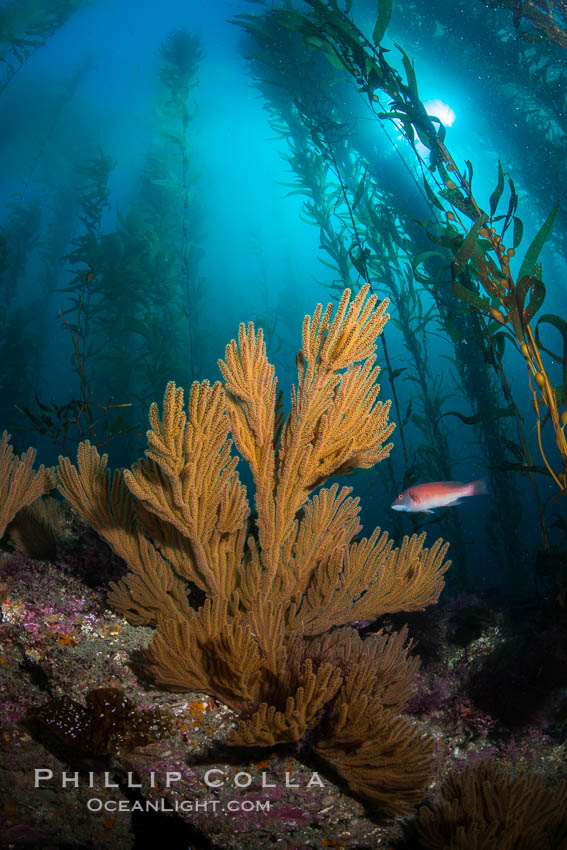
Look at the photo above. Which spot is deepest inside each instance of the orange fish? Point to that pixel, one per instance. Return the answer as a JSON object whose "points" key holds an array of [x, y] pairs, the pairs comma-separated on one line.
{"points": [[437, 494]]}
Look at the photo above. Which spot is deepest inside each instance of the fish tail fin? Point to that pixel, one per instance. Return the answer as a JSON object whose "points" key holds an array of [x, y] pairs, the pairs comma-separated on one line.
{"points": [[478, 488]]}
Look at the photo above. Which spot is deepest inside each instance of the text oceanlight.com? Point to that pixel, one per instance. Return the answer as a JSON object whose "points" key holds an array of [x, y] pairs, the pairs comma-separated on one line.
{"points": [[213, 778], [95, 804]]}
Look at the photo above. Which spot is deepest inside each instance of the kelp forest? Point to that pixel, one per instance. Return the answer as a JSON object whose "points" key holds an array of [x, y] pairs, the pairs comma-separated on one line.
{"points": [[188, 194], [119, 292], [456, 263], [449, 271]]}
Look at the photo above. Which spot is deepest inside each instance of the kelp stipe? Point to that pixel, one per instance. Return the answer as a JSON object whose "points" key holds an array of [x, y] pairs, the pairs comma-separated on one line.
{"points": [[181, 54], [482, 249], [152, 257], [87, 256], [84, 415], [25, 27], [363, 235], [135, 289], [333, 33], [18, 340]]}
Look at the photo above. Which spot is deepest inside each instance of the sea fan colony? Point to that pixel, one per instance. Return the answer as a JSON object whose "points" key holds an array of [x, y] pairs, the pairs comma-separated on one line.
{"points": [[489, 806], [271, 638]]}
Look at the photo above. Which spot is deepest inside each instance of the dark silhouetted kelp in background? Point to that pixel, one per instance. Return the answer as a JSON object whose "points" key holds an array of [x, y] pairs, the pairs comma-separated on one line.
{"points": [[474, 272], [285, 614]]}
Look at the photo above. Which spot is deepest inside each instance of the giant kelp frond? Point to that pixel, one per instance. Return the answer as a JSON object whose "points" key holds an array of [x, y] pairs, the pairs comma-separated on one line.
{"points": [[180, 54], [545, 16], [467, 231], [25, 26]]}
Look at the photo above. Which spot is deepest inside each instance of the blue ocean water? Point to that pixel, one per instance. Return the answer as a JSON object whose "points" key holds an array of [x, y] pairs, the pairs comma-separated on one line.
{"points": [[93, 89], [168, 173]]}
